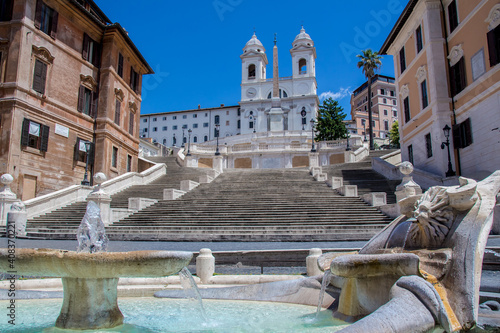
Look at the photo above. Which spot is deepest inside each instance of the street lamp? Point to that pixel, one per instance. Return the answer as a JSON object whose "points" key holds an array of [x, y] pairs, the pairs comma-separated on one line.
{"points": [[313, 148], [348, 148], [189, 142], [364, 131], [85, 180], [217, 153], [446, 131]]}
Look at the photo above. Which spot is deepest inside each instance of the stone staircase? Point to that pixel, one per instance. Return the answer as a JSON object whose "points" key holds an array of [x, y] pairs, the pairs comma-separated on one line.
{"points": [[362, 175], [63, 223], [255, 205]]}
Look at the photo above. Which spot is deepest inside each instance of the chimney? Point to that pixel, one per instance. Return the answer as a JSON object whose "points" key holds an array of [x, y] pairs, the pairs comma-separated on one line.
{"points": [[199, 106], [222, 105]]}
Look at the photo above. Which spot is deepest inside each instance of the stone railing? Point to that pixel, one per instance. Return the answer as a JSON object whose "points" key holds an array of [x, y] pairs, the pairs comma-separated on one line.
{"points": [[47, 203]]}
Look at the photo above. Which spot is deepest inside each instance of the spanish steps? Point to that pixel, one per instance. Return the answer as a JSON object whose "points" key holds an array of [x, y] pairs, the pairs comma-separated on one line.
{"points": [[239, 205]]}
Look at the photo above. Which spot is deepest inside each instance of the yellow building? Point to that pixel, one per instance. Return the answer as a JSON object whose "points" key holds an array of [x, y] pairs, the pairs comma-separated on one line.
{"points": [[446, 56], [384, 107]]}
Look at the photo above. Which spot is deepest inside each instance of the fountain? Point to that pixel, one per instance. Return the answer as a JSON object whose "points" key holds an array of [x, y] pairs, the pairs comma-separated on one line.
{"points": [[90, 276]]}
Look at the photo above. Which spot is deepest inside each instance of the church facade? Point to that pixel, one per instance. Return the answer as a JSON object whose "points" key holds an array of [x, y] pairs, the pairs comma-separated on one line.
{"points": [[290, 107]]}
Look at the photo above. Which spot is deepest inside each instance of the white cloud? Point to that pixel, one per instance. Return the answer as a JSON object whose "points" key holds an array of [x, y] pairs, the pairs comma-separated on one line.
{"points": [[341, 94]]}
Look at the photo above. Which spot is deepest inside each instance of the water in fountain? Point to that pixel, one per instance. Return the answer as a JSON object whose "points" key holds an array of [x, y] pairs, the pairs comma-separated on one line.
{"points": [[191, 289], [492, 252], [399, 235], [91, 235], [324, 283]]}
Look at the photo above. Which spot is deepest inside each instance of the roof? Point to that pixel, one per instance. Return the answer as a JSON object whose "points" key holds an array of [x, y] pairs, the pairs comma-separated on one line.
{"points": [[376, 78], [398, 26], [191, 110]]}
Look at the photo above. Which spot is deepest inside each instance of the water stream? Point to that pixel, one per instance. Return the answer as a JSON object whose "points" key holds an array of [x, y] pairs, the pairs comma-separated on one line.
{"points": [[496, 254], [191, 289], [324, 283]]}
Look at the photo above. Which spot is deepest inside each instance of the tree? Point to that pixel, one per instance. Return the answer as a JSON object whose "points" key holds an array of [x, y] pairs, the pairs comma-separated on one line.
{"points": [[394, 133], [370, 62], [330, 124]]}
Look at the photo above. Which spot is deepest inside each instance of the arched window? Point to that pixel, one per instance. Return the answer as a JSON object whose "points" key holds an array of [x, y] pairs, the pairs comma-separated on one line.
{"points": [[164, 142], [302, 66], [251, 72], [217, 120], [283, 94], [205, 138], [195, 139]]}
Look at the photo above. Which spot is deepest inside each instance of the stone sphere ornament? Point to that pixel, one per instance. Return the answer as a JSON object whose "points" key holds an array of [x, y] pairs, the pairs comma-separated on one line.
{"points": [[406, 168], [6, 179], [100, 178]]}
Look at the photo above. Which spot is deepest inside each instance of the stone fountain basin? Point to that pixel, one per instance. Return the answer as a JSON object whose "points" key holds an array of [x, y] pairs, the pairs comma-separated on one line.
{"points": [[90, 281], [61, 263]]}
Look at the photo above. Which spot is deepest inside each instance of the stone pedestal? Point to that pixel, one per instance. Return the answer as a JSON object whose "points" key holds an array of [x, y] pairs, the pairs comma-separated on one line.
{"points": [[312, 262], [16, 223], [407, 187], [218, 164], [313, 160], [7, 197], [205, 265], [191, 162]]}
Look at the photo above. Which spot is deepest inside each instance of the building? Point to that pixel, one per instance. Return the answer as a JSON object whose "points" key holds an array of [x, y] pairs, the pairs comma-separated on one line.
{"points": [[68, 77], [446, 59], [384, 106], [297, 99]]}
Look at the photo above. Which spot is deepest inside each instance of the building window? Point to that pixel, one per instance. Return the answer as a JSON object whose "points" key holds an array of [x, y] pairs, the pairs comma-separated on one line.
{"points": [[402, 60], [118, 106], [462, 134], [250, 125], [428, 145], [131, 123], [205, 138], [494, 45], [174, 117], [155, 119], [418, 37], [120, 65], [382, 91], [239, 124], [385, 112], [87, 101], [386, 125], [251, 72], [302, 66], [164, 128], [39, 76], [145, 130], [453, 15], [205, 124], [393, 93], [184, 126], [395, 113], [35, 135], [195, 139], [195, 115], [46, 19], [114, 157], [145, 120], [206, 114], [425, 99], [155, 129], [217, 120], [394, 102], [164, 118], [129, 163], [385, 100], [184, 116], [81, 153], [134, 79], [406, 105], [283, 94], [457, 77], [195, 125], [227, 122], [174, 127], [91, 50], [6, 7], [410, 154]]}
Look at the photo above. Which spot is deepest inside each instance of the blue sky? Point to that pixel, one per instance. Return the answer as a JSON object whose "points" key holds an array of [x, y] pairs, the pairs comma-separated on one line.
{"points": [[194, 46]]}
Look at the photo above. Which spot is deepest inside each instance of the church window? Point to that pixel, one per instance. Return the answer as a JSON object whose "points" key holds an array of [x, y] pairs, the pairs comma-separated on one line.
{"points": [[251, 72], [195, 125], [195, 139], [205, 138], [250, 125], [174, 127], [184, 116], [217, 120], [205, 124], [174, 117], [283, 94], [227, 122], [302, 66]]}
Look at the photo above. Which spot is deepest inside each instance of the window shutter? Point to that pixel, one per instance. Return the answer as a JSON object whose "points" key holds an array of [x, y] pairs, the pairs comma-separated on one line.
{"points": [[120, 64], [93, 107], [463, 75], [457, 142], [45, 138], [131, 124], [85, 47], [25, 133], [467, 132], [43, 79], [38, 14], [117, 112], [76, 150], [37, 76], [81, 96], [90, 154], [53, 28], [493, 52]]}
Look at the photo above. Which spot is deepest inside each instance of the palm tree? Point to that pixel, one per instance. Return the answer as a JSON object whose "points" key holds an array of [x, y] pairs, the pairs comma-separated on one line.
{"points": [[370, 62]]}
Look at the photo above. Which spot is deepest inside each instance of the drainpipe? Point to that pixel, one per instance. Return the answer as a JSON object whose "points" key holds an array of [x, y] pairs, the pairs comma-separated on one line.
{"points": [[457, 151]]}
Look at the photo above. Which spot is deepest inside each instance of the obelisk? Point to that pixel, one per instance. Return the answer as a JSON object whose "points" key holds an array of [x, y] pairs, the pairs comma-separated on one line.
{"points": [[276, 113]]}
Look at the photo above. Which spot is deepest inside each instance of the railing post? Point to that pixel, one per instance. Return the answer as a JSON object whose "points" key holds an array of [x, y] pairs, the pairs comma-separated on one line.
{"points": [[205, 265]]}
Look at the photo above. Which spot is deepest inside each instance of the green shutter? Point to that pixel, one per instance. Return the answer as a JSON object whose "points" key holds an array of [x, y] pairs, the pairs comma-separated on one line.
{"points": [[25, 134], [38, 14], [81, 96], [44, 144], [53, 27]]}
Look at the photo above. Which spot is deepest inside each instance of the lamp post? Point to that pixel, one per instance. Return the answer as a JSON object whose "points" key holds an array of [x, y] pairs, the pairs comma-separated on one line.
{"points": [[85, 180], [446, 131], [313, 148], [364, 131], [217, 152], [174, 141], [189, 143], [348, 148]]}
